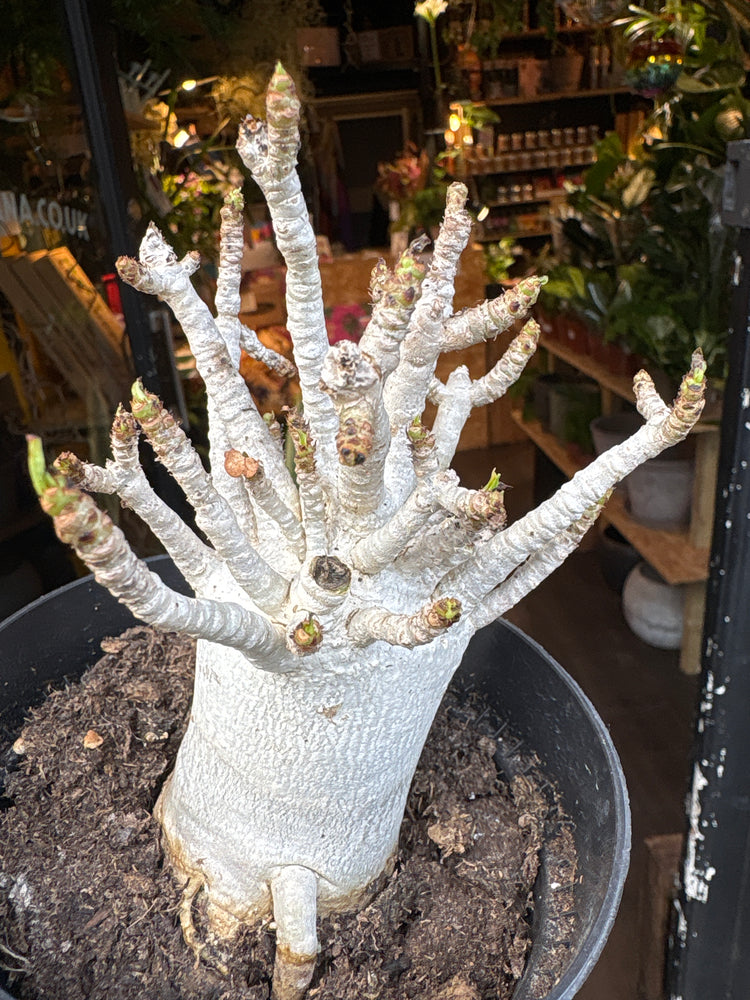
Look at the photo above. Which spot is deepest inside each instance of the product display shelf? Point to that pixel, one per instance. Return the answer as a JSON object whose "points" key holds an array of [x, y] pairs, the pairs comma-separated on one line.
{"points": [[681, 557], [545, 97]]}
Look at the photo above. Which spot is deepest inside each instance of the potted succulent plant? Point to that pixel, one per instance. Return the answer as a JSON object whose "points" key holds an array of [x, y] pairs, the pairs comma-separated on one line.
{"points": [[332, 607]]}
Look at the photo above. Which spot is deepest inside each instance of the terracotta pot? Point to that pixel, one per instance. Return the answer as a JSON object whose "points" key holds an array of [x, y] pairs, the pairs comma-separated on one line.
{"points": [[596, 348], [545, 320], [574, 333], [564, 72]]}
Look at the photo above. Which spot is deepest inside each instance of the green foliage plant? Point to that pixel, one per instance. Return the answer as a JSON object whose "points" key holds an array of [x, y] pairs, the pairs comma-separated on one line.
{"points": [[646, 257]]}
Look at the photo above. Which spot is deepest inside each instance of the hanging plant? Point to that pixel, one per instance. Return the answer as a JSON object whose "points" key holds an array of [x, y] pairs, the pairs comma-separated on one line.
{"points": [[658, 42]]}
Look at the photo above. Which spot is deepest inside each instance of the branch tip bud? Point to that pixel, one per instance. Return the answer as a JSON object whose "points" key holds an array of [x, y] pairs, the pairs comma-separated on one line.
{"points": [[70, 466], [493, 483], [239, 465], [40, 477], [145, 405], [306, 635], [128, 268], [54, 492], [446, 611]]}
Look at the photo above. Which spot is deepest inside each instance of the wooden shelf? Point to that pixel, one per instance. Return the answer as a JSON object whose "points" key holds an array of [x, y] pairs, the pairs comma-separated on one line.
{"points": [[555, 96], [669, 552], [619, 385], [517, 234], [482, 168]]}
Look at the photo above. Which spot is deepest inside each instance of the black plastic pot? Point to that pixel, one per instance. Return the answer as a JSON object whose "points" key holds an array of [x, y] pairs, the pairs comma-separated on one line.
{"points": [[59, 634]]}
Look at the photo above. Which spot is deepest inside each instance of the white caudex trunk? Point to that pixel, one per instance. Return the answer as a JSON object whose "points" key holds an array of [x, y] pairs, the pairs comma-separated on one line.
{"points": [[331, 607]]}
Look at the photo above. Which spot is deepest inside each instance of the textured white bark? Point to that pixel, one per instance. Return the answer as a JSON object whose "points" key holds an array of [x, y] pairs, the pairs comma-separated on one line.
{"points": [[309, 768], [406, 389], [356, 390], [270, 154], [158, 272], [536, 568], [213, 514], [452, 414], [394, 295], [490, 318]]}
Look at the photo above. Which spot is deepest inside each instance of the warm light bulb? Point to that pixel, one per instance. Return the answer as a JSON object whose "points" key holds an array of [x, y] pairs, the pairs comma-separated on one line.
{"points": [[454, 123], [181, 138], [449, 137], [482, 213], [189, 84]]}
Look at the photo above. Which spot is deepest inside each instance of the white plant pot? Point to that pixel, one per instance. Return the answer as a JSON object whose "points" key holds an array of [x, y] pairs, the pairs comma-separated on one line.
{"points": [[653, 609]]}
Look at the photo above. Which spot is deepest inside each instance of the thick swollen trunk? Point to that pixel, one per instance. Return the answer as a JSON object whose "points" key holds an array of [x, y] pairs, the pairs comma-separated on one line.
{"points": [[308, 768]]}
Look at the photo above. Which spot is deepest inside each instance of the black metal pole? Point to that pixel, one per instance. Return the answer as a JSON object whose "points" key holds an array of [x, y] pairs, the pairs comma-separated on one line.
{"points": [[110, 150], [709, 957]]}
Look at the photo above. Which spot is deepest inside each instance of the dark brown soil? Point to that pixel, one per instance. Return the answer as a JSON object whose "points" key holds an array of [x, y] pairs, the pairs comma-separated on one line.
{"points": [[87, 909]]}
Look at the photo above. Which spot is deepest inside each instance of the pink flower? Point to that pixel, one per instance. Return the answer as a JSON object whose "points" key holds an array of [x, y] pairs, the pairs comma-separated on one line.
{"points": [[346, 322]]}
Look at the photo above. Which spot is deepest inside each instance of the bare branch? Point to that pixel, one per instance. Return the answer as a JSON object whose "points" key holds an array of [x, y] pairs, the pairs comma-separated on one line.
{"points": [[231, 245], [453, 412], [395, 295], [460, 395], [443, 545], [378, 549], [536, 568], [270, 153], [406, 389], [158, 272], [372, 624], [508, 369], [491, 317], [251, 345], [213, 515], [311, 493], [103, 548], [197, 562], [448, 542], [250, 471], [664, 428]]}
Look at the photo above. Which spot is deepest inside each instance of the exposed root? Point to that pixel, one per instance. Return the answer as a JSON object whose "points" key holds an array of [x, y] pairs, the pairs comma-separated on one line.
{"points": [[294, 893], [189, 933]]}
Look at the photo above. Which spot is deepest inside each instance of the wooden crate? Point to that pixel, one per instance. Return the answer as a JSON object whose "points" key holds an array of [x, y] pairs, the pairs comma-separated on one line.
{"points": [[663, 854], [68, 322]]}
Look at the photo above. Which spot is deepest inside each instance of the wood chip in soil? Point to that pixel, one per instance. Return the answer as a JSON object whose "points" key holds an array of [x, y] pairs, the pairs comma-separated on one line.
{"points": [[88, 909]]}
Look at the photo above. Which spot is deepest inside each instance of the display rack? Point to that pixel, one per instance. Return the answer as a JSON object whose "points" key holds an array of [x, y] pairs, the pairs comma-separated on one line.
{"points": [[680, 557]]}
